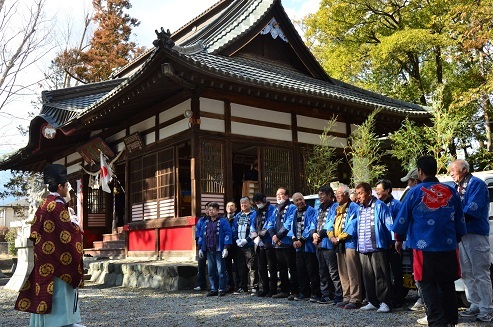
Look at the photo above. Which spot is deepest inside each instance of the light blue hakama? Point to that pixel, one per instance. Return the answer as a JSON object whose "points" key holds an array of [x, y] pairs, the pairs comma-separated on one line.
{"points": [[62, 312]]}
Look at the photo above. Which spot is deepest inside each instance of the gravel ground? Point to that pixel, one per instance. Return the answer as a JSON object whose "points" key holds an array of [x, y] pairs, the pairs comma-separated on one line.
{"points": [[119, 306]]}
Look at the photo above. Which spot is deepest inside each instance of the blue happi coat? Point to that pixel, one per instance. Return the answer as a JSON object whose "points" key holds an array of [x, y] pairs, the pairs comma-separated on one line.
{"points": [[309, 227], [476, 205], [432, 218], [223, 238], [274, 227], [394, 206], [382, 221], [251, 219], [350, 224], [326, 243], [270, 214]]}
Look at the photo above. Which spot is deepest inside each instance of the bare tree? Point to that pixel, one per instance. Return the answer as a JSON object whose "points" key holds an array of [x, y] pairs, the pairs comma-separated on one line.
{"points": [[24, 39]]}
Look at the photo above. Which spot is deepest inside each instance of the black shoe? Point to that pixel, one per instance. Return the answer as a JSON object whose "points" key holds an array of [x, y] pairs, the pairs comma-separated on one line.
{"points": [[280, 295], [239, 291], [212, 293], [221, 293], [291, 297], [263, 293]]}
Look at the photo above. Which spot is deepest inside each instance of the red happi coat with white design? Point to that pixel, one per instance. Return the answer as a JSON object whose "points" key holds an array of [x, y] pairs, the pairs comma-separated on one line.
{"points": [[57, 252]]}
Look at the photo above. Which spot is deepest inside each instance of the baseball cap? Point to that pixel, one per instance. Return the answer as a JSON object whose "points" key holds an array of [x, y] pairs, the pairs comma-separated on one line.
{"points": [[413, 173]]}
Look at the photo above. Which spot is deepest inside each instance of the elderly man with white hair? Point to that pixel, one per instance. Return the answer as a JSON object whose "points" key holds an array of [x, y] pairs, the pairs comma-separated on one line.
{"points": [[474, 250]]}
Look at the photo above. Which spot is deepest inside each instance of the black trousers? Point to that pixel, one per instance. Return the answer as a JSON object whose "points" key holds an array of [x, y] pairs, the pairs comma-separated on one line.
{"points": [[395, 261], [286, 263], [376, 277], [307, 269], [441, 302], [202, 271], [247, 268], [267, 265], [232, 268], [330, 283]]}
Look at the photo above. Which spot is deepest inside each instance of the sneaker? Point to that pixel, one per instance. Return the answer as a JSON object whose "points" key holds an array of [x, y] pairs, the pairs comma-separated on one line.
{"points": [[300, 297], [198, 288], [417, 307], [314, 299], [325, 300], [484, 317], [281, 295], [253, 291], [423, 321], [471, 312], [291, 297], [368, 307], [352, 306], [221, 293], [212, 293], [341, 304], [383, 308], [239, 291]]}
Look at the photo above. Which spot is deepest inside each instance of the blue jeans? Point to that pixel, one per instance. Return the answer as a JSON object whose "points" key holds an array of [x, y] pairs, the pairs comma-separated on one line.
{"points": [[217, 271]]}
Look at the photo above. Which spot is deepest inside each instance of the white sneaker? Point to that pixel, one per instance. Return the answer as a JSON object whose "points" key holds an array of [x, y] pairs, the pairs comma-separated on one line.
{"points": [[78, 325], [417, 307], [368, 307], [383, 308], [198, 288], [423, 321]]}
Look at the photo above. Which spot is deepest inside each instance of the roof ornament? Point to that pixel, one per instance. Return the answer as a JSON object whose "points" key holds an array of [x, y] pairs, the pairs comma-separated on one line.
{"points": [[275, 30], [163, 39]]}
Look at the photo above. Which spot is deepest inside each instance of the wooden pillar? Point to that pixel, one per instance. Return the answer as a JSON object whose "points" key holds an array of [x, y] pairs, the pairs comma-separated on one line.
{"points": [[195, 160]]}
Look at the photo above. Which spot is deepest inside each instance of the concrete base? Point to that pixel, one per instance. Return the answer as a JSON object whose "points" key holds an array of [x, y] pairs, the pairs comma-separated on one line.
{"points": [[155, 274]]}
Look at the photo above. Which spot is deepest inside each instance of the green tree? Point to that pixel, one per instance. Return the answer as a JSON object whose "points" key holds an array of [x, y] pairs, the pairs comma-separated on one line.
{"points": [[412, 50], [412, 141], [364, 153], [321, 165]]}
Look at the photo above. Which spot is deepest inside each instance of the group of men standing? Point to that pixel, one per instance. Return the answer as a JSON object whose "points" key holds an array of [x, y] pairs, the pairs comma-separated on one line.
{"points": [[349, 253]]}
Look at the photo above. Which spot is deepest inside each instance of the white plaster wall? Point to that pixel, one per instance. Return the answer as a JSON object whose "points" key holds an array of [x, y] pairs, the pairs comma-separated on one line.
{"points": [[150, 138], [210, 105], [337, 142], [320, 124], [143, 125], [173, 129], [238, 110], [73, 169], [60, 161], [175, 111], [74, 156], [261, 131], [118, 136], [210, 124]]}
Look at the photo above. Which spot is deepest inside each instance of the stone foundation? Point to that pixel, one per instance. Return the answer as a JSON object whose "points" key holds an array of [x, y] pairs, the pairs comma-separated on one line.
{"points": [[155, 275]]}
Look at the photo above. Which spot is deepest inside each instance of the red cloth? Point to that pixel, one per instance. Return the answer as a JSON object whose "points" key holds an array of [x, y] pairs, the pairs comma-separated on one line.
{"points": [[57, 252]]}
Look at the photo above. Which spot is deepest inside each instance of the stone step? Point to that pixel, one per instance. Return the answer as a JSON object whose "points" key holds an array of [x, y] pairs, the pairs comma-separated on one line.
{"points": [[113, 237], [118, 244], [155, 274], [118, 253]]}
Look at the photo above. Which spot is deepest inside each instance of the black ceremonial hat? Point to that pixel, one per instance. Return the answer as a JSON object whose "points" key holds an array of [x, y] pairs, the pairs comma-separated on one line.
{"points": [[55, 174]]}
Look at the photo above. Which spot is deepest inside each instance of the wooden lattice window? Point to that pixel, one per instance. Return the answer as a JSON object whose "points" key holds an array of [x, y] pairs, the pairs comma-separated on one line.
{"points": [[153, 185], [277, 170], [212, 167], [96, 202]]}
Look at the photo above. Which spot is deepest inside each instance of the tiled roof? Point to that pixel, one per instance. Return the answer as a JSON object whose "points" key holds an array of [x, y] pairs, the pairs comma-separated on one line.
{"points": [[238, 19], [62, 106], [266, 74]]}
